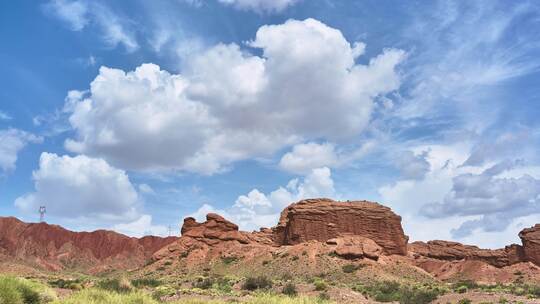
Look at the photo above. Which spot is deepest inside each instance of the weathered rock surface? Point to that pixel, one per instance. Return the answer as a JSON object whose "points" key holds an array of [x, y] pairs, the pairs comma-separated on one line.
{"points": [[55, 248], [324, 219], [452, 251], [530, 237], [354, 247], [215, 228]]}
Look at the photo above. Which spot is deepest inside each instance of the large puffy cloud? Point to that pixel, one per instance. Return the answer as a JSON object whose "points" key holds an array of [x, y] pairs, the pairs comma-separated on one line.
{"points": [[261, 5], [81, 188], [257, 209], [11, 142], [230, 105], [497, 200]]}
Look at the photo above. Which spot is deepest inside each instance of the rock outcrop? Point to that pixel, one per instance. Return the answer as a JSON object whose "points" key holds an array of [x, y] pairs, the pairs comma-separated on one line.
{"points": [[453, 251], [324, 219], [530, 237], [354, 247], [215, 229], [55, 248]]}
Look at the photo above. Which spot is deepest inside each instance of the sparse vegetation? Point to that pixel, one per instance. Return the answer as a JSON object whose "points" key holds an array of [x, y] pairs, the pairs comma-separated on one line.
{"points": [[390, 291], [121, 285], [254, 283], [229, 260], [22, 291], [320, 284], [290, 290], [145, 282], [350, 268]]}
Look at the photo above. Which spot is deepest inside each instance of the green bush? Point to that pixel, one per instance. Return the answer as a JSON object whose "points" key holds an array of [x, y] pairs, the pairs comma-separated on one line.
{"points": [[290, 290], [464, 301], [117, 285], [254, 283], [320, 285], [203, 283], [21, 291], [324, 296], [410, 295], [145, 282], [462, 289], [229, 260], [349, 268]]}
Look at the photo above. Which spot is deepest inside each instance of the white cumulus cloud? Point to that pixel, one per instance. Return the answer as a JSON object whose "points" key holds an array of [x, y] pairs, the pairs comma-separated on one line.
{"points": [[81, 187], [230, 105], [12, 141]]}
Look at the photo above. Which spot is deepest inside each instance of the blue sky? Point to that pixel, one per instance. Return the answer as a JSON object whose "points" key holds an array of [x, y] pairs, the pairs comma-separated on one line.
{"points": [[132, 115]]}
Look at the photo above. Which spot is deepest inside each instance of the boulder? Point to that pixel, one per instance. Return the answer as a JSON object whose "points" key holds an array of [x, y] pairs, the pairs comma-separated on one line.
{"points": [[530, 237], [324, 219], [354, 246]]}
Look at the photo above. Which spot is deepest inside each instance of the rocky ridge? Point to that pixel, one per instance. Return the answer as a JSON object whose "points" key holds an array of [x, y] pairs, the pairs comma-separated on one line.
{"points": [[52, 247], [314, 230], [351, 230]]}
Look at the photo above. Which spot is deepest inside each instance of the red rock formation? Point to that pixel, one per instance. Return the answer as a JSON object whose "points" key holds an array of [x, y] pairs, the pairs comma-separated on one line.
{"points": [[215, 228], [530, 237], [324, 219], [452, 251], [56, 248], [354, 247]]}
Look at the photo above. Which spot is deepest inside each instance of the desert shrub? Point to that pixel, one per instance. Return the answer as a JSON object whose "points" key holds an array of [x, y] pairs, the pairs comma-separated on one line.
{"points": [[464, 301], [503, 300], [254, 283], [168, 263], [324, 296], [75, 284], [349, 268], [203, 283], [320, 285], [163, 291], [290, 290], [295, 258], [410, 295], [229, 260], [145, 282], [462, 289], [466, 283], [224, 284], [266, 262], [121, 285]]}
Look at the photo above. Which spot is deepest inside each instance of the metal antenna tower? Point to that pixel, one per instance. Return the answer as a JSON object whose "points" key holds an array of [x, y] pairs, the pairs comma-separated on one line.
{"points": [[42, 211]]}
